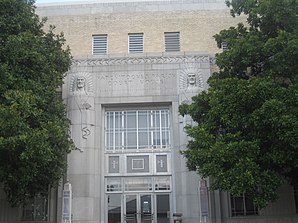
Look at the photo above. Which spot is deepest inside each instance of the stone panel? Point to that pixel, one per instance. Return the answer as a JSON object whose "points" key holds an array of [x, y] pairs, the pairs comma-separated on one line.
{"points": [[81, 162], [83, 209]]}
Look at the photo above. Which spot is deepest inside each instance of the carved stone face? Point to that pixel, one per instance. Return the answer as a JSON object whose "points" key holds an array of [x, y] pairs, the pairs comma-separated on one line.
{"points": [[80, 83], [191, 79]]}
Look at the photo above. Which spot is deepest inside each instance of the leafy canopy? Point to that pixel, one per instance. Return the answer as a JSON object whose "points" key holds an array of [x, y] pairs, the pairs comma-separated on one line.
{"points": [[246, 139], [34, 129]]}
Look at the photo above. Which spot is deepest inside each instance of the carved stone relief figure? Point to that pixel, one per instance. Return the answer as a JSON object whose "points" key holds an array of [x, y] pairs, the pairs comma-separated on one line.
{"points": [[81, 86], [190, 77], [81, 83]]}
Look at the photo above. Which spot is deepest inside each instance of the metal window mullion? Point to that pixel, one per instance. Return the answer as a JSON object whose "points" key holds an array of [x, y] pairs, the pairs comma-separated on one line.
{"points": [[154, 126], [151, 127], [114, 131], [106, 130], [168, 129], [165, 128], [148, 127], [137, 128], [123, 130], [160, 130]]}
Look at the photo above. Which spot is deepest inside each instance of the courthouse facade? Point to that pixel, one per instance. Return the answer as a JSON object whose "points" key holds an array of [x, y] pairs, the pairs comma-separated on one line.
{"points": [[134, 63]]}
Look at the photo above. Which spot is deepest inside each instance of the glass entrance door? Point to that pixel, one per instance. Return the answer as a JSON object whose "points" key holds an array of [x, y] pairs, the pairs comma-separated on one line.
{"points": [[138, 208], [163, 208], [146, 208]]}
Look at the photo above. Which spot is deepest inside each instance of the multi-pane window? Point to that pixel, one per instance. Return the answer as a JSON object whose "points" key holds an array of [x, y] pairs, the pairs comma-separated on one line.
{"points": [[172, 41], [137, 129], [114, 184], [138, 184], [243, 206], [36, 209], [135, 43], [99, 44], [129, 184], [162, 183]]}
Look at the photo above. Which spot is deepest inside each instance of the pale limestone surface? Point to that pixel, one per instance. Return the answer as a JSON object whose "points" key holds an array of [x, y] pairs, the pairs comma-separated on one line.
{"points": [[138, 80]]}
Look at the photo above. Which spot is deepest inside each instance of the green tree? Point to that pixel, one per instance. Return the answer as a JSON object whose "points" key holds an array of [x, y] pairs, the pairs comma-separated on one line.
{"points": [[34, 129], [246, 137]]}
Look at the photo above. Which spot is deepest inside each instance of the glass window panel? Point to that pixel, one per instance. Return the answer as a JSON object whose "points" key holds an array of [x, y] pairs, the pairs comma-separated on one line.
{"points": [[110, 121], [146, 209], [138, 184], [118, 120], [114, 208], [113, 184], [131, 208], [109, 140], [239, 206], [118, 140], [131, 120], [164, 119], [143, 120], [156, 139], [137, 129], [143, 140], [163, 208], [250, 207], [242, 206], [156, 120], [131, 140], [162, 183], [165, 138]]}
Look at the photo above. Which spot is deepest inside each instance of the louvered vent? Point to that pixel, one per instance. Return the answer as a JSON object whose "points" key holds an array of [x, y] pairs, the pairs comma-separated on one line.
{"points": [[172, 41], [99, 44], [135, 41]]}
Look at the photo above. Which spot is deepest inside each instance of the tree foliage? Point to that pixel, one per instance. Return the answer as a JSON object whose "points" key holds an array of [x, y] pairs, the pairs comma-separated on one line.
{"points": [[34, 129], [246, 139]]}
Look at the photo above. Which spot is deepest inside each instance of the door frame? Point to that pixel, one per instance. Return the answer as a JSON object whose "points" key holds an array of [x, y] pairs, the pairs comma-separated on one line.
{"points": [[139, 206]]}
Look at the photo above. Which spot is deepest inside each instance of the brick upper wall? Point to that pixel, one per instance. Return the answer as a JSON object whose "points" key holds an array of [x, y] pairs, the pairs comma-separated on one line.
{"points": [[196, 26]]}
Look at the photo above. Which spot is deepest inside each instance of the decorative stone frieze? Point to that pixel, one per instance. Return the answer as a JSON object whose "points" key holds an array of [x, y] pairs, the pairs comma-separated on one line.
{"points": [[141, 60]]}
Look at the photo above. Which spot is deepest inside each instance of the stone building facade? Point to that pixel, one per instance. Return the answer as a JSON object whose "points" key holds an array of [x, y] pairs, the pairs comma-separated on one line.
{"points": [[134, 63]]}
